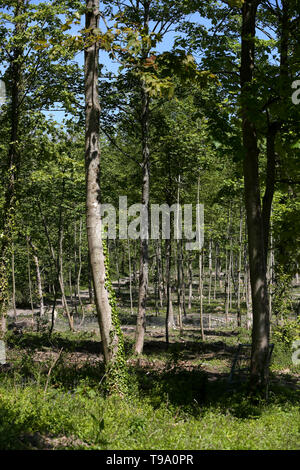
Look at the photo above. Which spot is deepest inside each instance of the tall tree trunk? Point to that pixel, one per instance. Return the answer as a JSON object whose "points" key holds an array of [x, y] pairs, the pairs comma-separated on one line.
{"points": [[271, 261], [112, 340], [190, 277], [130, 278], [62, 284], [179, 266], [13, 165], [216, 269], [183, 279], [239, 316], [79, 273], [249, 321], [38, 278], [201, 294], [13, 280], [169, 312], [29, 281], [200, 287], [260, 331], [144, 246], [209, 270]]}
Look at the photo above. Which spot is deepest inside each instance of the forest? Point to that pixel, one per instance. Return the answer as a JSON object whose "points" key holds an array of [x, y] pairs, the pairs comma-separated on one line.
{"points": [[149, 225]]}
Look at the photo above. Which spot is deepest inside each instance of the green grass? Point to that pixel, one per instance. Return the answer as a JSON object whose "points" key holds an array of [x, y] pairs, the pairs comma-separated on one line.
{"points": [[170, 406], [112, 423]]}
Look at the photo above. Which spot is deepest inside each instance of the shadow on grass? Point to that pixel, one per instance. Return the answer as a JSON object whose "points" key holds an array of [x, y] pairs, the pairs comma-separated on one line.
{"points": [[197, 347], [70, 342], [192, 390], [10, 432]]}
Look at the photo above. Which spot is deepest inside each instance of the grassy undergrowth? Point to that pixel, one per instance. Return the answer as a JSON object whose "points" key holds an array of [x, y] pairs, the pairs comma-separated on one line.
{"points": [[48, 404]]}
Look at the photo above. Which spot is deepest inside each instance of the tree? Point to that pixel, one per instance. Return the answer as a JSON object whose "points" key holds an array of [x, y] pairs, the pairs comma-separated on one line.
{"points": [[111, 334], [255, 228]]}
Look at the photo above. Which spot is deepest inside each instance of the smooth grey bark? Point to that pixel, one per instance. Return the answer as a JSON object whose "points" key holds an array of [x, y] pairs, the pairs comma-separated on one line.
{"points": [[90, 283], [13, 280], [160, 273], [179, 267], [200, 286], [201, 294], [144, 245], [130, 277], [169, 312], [190, 278], [209, 270], [239, 279], [158, 278], [29, 279], [271, 263], [79, 273], [109, 336], [170, 321], [216, 269], [249, 319], [183, 279], [38, 277], [61, 282]]}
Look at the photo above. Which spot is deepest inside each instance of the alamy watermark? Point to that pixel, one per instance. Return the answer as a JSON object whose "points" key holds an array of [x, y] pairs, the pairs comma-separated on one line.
{"points": [[2, 353], [2, 93], [296, 352], [140, 222], [296, 94]]}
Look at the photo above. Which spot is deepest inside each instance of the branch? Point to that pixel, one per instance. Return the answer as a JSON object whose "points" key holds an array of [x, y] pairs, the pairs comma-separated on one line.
{"points": [[125, 154]]}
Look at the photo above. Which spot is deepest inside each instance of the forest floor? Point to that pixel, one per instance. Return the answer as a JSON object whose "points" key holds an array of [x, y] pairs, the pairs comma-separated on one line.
{"points": [[52, 397]]}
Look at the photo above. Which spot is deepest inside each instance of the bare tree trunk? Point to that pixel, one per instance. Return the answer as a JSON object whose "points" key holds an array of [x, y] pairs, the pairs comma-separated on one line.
{"points": [[183, 279], [160, 273], [29, 280], [190, 277], [200, 288], [226, 289], [112, 340], [209, 269], [216, 270], [13, 280], [130, 278], [79, 273], [179, 266], [271, 262], [239, 317], [179, 284], [201, 294], [144, 246], [169, 313], [144, 257], [230, 274], [257, 259], [118, 267], [13, 163], [38, 279], [248, 299], [62, 284]]}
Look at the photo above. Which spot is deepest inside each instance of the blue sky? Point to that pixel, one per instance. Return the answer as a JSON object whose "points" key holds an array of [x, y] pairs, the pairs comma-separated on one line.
{"points": [[104, 58], [112, 66]]}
